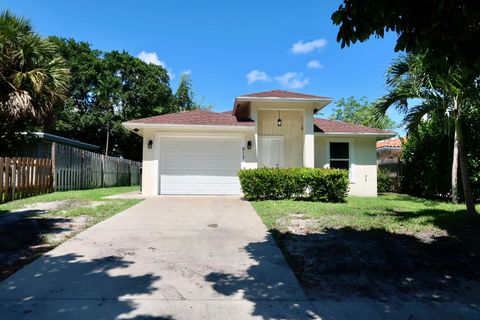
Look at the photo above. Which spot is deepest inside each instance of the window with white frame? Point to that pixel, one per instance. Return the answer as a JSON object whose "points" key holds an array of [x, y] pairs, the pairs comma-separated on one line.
{"points": [[339, 155]]}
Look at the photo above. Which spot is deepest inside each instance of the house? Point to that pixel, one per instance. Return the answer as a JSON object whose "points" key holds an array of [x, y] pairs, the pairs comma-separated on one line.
{"points": [[390, 148], [200, 152]]}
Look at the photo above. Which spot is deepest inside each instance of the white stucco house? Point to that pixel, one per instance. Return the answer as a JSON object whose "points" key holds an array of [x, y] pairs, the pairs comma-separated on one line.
{"points": [[200, 152]]}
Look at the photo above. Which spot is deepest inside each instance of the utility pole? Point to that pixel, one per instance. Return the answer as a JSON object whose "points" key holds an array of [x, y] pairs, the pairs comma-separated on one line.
{"points": [[108, 137]]}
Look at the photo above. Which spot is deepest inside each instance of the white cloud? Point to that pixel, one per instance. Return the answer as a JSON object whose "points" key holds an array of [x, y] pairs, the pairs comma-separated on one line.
{"points": [[187, 72], [314, 64], [306, 47], [152, 57], [292, 80], [256, 75]]}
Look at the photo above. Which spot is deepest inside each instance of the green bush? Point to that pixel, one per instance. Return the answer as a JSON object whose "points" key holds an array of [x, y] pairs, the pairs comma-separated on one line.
{"points": [[292, 183], [427, 157], [384, 181]]}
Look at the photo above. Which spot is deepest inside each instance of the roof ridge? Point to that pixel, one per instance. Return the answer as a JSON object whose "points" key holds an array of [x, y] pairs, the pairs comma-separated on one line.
{"points": [[285, 93]]}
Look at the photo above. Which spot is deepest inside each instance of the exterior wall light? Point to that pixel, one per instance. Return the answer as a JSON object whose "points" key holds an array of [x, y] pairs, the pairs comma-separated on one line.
{"points": [[249, 145], [150, 144], [279, 121]]}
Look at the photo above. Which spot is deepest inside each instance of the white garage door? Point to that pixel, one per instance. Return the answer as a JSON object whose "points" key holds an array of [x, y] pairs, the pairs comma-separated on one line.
{"points": [[199, 165]]}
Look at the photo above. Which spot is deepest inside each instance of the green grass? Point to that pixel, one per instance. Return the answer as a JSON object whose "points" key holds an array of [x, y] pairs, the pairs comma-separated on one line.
{"points": [[92, 195], [95, 214], [392, 212]]}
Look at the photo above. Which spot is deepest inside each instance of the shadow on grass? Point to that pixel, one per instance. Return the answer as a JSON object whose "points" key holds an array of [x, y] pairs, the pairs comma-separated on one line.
{"points": [[396, 197], [455, 223], [69, 287], [23, 237], [376, 265]]}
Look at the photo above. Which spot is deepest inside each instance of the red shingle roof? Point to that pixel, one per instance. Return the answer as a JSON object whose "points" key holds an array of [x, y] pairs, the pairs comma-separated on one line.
{"points": [[196, 117], [330, 126], [282, 94], [391, 143], [205, 117]]}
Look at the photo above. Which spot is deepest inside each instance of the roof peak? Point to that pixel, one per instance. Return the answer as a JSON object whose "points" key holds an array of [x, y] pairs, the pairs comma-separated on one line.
{"points": [[282, 94]]}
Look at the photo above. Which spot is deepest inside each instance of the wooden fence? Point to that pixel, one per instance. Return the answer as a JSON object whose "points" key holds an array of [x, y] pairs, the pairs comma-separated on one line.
{"points": [[24, 177], [393, 167], [69, 169], [80, 169]]}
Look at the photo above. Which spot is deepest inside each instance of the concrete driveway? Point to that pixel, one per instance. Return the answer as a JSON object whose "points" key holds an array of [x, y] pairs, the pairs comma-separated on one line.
{"points": [[165, 258]]}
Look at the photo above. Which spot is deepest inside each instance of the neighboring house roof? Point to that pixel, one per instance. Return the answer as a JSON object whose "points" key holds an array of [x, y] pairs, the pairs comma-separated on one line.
{"points": [[391, 143], [62, 140], [282, 94], [335, 126], [196, 117]]}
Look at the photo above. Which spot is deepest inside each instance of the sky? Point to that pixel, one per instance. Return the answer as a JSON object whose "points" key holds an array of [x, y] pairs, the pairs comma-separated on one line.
{"points": [[229, 48]]}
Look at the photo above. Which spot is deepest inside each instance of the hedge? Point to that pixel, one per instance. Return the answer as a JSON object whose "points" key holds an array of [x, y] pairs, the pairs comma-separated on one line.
{"points": [[384, 181], [314, 184]]}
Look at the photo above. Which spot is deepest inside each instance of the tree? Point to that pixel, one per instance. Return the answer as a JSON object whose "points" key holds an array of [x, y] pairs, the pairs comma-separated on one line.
{"points": [[33, 78], [443, 35], [429, 150], [361, 112], [184, 98], [107, 89], [441, 94], [447, 31]]}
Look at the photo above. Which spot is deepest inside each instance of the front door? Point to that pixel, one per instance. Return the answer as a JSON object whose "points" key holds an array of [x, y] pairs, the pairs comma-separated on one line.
{"points": [[270, 151]]}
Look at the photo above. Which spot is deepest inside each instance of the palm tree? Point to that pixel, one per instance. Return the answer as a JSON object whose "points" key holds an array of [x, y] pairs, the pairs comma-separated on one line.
{"points": [[445, 93], [33, 76]]}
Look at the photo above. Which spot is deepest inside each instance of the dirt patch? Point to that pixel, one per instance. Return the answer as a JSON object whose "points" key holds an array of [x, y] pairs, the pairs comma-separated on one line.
{"points": [[32, 230], [27, 238], [42, 208], [343, 262]]}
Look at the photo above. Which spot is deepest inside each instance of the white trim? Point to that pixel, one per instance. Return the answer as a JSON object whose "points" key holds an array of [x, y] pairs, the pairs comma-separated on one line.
{"points": [[277, 108], [351, 155], [129, 125], [280, 151], [156, 165], [187, 135]]}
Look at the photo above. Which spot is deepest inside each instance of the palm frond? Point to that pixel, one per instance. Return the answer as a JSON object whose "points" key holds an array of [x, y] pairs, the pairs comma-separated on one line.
{"points": [[417, 113]]}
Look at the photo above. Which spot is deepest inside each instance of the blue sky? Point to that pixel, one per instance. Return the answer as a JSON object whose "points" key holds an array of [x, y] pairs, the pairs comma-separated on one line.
{"points": [[287, 45]]}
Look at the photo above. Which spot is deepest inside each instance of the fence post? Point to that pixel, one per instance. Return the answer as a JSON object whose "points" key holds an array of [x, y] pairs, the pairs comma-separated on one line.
{"points": [[14, 178], [129, 173], [102, 170], [117, 183], [82, 175], [54, 166]]}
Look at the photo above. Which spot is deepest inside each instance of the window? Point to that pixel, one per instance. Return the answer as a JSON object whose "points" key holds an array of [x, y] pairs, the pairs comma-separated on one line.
{"points": [[339, 155]]}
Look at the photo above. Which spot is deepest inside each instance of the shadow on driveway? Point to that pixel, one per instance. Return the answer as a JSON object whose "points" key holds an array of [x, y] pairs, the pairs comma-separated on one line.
{"points": [[67, 287]]}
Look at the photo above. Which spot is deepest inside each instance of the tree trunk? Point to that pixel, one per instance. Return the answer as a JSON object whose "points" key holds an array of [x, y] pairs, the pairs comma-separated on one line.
{"points": [[455, 170], [462, 155]]}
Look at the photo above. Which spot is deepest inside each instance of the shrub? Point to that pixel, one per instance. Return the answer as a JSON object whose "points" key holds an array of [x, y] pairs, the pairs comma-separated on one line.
{"points": [[427, 156], [293, 183], [384, 181]]}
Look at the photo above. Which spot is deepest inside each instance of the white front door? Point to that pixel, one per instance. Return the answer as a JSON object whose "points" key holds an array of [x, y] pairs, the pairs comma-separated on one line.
{"points": [[199, 165], [270, 151]]}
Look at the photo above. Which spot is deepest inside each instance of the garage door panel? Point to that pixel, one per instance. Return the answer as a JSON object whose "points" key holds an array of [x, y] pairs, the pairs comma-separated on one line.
{"points": [[198, 159], [195, 172], [199, 165]]}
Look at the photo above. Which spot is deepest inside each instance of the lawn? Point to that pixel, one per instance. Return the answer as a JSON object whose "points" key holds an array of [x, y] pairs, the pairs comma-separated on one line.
{"points": [[392, 212], [390, 247], [29, 227]]}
